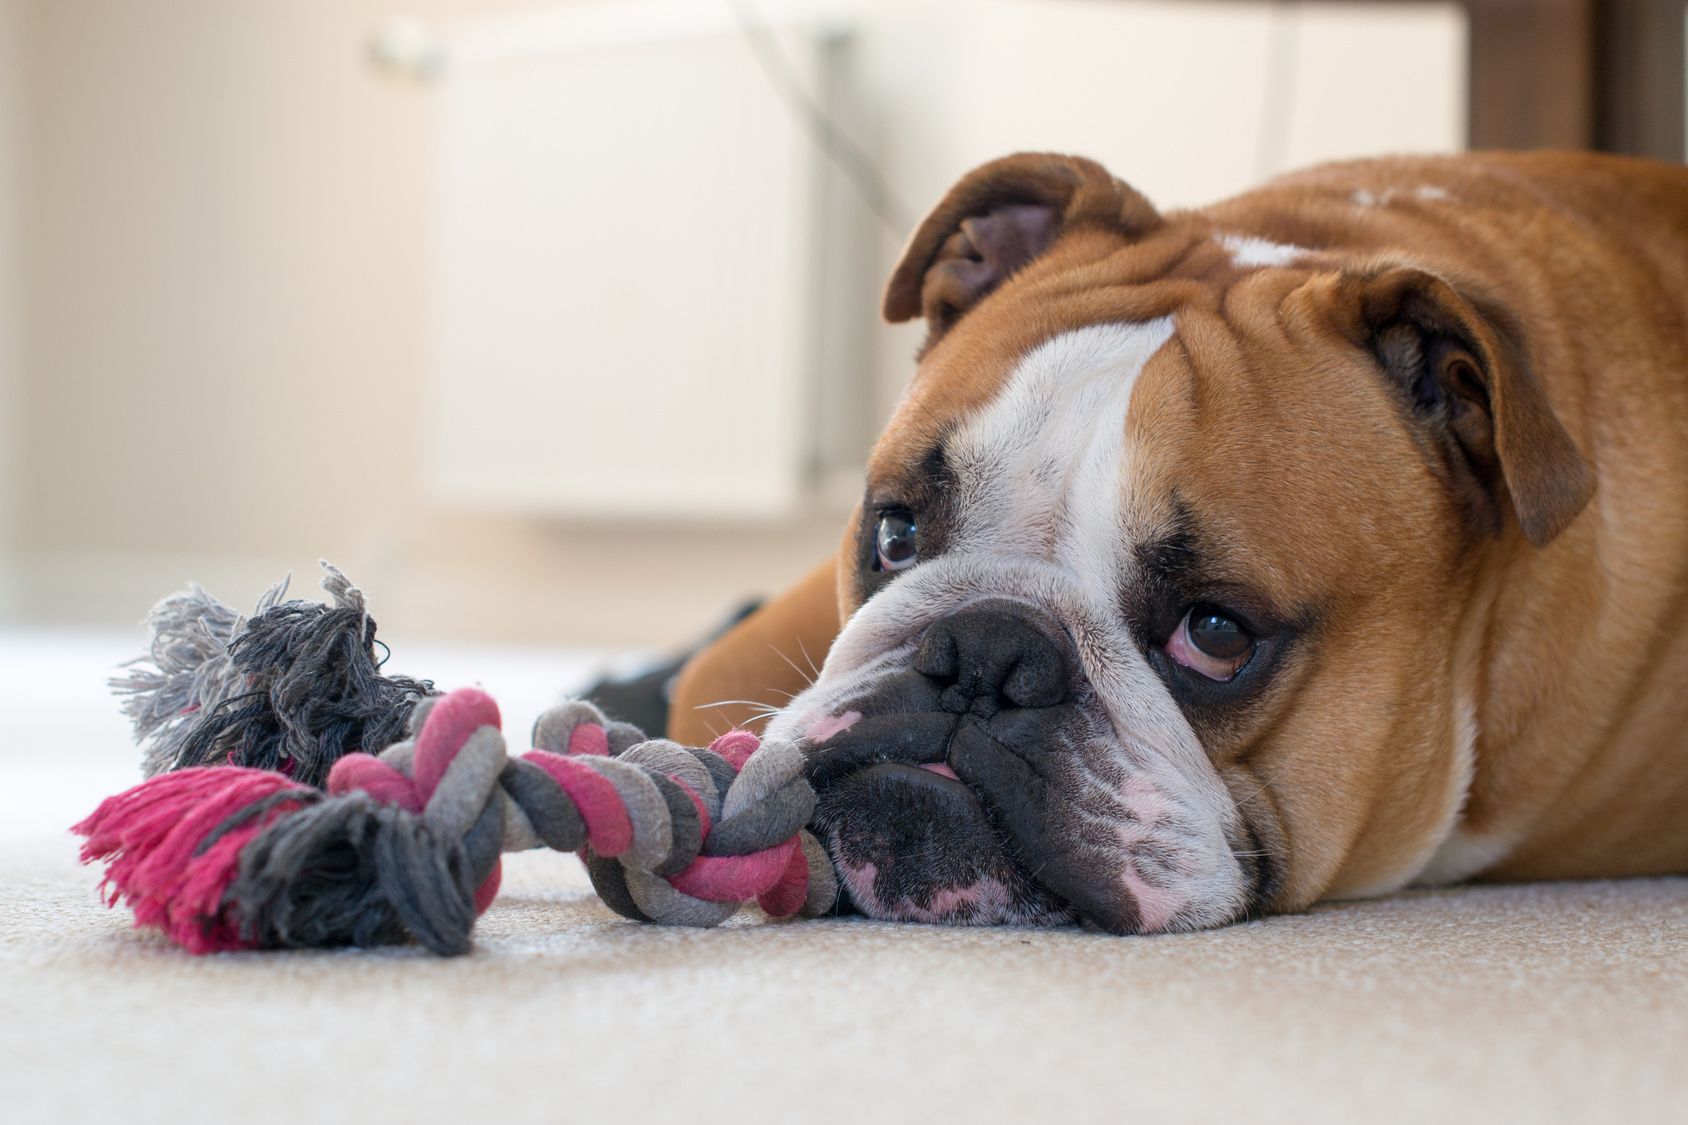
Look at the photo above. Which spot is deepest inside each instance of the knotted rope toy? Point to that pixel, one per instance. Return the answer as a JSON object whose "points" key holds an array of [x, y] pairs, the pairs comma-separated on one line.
{"points": [[404, 843]]}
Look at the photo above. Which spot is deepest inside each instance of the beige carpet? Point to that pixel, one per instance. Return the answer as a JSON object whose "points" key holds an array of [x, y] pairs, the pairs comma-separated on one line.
{"points": [[1548, 1003]]}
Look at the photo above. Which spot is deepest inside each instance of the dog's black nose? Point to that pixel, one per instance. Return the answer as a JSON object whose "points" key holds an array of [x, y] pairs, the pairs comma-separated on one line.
{"points": [[986, 658]]}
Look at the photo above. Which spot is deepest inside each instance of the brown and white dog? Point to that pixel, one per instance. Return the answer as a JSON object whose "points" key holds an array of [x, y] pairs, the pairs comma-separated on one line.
{"points": [[1324, 541]]}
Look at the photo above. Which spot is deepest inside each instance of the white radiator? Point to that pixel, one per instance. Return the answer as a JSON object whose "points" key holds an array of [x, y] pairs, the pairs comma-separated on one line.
{"points": [[624, 246]]}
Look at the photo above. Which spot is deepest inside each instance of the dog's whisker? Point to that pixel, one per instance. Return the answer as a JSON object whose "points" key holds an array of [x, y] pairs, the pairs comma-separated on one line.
{"points": [[814, 672], [1264, 785], [792, 664], [754, 704]]}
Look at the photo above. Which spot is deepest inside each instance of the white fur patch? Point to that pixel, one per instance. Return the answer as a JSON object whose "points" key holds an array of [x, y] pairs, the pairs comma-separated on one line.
{"points": [[1250, 252], [1056, 432], [1463, 855], [1428, 193], [1455, 854]]}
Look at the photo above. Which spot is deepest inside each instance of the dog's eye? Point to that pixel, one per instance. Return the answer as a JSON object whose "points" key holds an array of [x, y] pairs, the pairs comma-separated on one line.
{"points": [[1212, 642], [894, 542]]}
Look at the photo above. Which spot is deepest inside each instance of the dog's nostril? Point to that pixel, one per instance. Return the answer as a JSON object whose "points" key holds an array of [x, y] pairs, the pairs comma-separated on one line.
{"points": [[1038, 680], [993, 653], [936, 659]]}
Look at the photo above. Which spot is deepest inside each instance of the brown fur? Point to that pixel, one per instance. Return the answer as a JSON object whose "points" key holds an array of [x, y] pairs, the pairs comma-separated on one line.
{"points": [[761, 662], [1572, 650]]}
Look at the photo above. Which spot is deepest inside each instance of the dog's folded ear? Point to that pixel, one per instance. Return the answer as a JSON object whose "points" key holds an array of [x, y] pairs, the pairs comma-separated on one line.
{"points": [[1001, 216], [1462, 370]]}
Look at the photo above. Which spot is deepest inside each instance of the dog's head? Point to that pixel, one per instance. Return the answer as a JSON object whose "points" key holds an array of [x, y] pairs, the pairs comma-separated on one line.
{"points": [[1154, 596]]}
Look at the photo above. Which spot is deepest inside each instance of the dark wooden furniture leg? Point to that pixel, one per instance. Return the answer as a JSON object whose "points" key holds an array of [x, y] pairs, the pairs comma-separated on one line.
{"points": [[1641, 87], [1532, 73]]}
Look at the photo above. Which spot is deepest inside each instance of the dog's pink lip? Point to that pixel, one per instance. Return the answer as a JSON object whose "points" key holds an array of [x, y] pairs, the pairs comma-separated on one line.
{"points": [[940, 769]]}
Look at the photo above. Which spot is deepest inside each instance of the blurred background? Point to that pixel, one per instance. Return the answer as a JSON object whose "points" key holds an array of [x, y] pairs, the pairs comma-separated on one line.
{"points": [[556, 323]]}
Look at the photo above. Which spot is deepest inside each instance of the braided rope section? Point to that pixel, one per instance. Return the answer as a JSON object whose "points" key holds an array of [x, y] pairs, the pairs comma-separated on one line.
{"points": [[405, 845]]}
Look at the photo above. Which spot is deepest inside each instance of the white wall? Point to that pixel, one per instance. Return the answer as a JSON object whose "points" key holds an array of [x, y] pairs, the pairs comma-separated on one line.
{"points": [[229, 310], [12, 32], [227, 294]]}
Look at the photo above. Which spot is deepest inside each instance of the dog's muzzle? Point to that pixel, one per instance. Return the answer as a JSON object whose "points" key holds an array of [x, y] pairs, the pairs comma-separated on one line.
{"points": [[916, 804]]}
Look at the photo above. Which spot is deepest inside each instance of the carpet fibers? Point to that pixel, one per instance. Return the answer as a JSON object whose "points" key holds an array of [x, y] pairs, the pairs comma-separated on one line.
{"points": [[1557, 1002]]}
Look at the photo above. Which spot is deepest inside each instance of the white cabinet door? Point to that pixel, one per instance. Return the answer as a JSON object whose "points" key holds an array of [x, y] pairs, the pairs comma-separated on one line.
{"points": [[623, 241]]}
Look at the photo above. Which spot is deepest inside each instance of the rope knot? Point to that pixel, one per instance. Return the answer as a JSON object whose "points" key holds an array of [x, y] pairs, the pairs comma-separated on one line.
{"points": [[407, 844]]}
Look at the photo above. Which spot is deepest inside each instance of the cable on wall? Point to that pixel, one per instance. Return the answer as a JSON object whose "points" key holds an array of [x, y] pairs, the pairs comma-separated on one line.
{"points": [[824, 132]]}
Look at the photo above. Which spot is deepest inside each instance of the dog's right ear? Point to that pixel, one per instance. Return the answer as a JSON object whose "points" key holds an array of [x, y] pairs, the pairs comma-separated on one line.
{"points": [[998, 218]]}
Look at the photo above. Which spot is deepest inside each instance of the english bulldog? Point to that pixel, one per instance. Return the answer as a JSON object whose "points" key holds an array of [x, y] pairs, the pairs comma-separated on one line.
{"points": [[1324, 541]]}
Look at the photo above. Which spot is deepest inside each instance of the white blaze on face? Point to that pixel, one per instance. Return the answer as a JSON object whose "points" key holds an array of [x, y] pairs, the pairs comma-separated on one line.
{"points": [[1041, 469], [1042, 512]]}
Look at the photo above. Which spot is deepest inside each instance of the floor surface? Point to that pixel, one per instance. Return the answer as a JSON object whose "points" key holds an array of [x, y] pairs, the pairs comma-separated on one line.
{"points": [[1562, 1002]]}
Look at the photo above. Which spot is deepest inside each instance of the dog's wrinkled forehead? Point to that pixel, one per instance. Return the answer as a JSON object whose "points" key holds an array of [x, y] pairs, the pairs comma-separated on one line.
{"points": [[1043, 467], [1055, 431]]}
